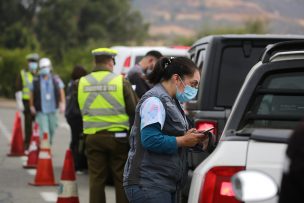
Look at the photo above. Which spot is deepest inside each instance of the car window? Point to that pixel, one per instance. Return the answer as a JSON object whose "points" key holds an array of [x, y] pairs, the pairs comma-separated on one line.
{"points": [[138, 58], [235, 64], [201, 59], [278, 102]]}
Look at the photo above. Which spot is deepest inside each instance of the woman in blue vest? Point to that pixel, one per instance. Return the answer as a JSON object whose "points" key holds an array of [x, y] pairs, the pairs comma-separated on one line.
{"points": [[156, 167]]}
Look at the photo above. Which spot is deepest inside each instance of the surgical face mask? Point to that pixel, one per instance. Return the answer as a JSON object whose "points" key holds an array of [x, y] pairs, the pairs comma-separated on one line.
{"points": [[45, 71], [188, 93], [33, 66]]}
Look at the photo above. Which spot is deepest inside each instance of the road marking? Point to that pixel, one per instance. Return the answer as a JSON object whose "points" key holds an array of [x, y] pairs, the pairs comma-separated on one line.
{"points": [[5, 131], [31, 171], [64, 126], [23, 158], [49, 196], [6, 134]]}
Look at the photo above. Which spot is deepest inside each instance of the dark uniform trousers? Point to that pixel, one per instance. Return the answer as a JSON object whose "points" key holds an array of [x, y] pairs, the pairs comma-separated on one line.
{"points": [[104, 152], [28, 119]]}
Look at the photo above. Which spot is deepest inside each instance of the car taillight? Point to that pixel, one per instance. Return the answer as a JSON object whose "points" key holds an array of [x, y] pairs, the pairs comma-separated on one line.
{"points": [[205, 125], [217, 186], [127, 62]]}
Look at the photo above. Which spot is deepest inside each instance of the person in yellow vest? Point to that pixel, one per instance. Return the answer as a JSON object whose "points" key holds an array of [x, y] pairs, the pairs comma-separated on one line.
{"points": [[107, 103], [22, 94]]}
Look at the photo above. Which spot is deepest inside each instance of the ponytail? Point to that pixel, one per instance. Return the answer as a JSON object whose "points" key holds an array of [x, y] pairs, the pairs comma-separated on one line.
{"points": [[159, 70], [166, 67]]}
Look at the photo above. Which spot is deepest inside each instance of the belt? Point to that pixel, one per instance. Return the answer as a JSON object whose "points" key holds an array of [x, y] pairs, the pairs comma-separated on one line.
{"points": [[105, 133]]}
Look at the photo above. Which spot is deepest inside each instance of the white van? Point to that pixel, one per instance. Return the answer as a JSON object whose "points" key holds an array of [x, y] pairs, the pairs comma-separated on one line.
{"points": [[127, 57]]}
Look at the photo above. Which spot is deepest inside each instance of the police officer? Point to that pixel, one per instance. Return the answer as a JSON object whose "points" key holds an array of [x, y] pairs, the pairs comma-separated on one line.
{"points": [[23, 83], [107, 103]]}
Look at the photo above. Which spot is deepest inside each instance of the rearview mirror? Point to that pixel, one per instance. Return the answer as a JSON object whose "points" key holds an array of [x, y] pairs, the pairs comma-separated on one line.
{"points": [[253, 186]]}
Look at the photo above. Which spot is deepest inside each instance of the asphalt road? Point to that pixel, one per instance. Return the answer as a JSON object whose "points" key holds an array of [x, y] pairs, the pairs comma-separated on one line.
{"points": [[14, 179]]}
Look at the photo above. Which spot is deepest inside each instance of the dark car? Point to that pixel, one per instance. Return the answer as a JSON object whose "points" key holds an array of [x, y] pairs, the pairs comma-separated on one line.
{"points": [[268, 107], [224, 61]]}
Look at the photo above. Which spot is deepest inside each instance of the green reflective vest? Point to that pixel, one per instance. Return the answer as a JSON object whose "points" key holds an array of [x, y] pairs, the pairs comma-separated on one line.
{"points": [[101, 101], [27, 79]]}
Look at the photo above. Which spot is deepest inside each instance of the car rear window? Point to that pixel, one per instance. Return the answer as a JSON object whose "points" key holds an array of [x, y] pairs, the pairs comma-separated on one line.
{"points": [[138, 58], [278, 102], [235, 64]]}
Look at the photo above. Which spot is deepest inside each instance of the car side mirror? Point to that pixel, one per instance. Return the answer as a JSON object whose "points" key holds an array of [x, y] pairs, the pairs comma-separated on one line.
{"points": [[253, 186]]}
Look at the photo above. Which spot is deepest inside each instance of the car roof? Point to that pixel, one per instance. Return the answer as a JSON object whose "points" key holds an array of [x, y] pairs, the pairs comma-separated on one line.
{"points": [[246, 36]]}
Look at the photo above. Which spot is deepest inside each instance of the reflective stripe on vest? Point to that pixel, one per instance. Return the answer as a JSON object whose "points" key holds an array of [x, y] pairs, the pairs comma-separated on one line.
{"points": [[100, 98], [27, 79]]}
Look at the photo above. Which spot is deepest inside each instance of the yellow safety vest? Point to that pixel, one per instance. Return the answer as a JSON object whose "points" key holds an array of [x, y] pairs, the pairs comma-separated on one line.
{"points": [[101, 101], [27, 79]]}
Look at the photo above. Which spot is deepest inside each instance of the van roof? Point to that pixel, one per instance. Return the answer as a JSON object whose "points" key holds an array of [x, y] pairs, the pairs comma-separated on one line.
{"points": [[144, 49]]}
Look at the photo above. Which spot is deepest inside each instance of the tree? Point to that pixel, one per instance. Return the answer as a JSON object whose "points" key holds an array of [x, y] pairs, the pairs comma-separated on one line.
{"points": [[112, 21], [56, 26], [19, 36], [66, 24], [16, 24]]}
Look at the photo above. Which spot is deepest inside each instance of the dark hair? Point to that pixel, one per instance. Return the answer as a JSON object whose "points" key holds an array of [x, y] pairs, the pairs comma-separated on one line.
{"points": [[78, 72], [154, 53], [166, 67], [101, 59]]}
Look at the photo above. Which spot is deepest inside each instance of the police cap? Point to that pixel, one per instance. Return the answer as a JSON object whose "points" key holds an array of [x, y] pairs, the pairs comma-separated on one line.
{"points": [[104, 51], [32, 57]]}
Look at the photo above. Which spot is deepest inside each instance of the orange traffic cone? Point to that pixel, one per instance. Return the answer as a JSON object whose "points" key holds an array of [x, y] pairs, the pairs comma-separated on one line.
{"points": [[32, 158], [17, 145], [45, 173], [67, 191], [45, 143]]}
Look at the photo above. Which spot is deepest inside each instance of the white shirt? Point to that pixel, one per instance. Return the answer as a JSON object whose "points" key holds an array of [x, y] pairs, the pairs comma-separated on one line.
{"points": [[152, 111]]}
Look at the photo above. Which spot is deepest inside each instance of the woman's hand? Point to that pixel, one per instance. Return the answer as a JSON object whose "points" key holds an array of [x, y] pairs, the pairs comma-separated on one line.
{"points": [[191, 138]]}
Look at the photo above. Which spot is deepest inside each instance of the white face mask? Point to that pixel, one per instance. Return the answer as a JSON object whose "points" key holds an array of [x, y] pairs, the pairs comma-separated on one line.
{"points": [[45, 71], [33, 66], [188, 93]]}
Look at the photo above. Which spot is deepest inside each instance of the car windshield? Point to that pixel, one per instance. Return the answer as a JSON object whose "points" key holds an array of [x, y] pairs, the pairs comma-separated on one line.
{"points": [[278, 102]]}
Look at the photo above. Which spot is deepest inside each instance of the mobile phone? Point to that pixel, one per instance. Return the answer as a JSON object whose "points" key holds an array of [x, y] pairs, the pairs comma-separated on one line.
{"points": [[204, 131]]}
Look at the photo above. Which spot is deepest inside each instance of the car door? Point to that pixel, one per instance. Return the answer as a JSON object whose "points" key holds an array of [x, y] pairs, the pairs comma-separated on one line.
{"points": [[276, 108]]}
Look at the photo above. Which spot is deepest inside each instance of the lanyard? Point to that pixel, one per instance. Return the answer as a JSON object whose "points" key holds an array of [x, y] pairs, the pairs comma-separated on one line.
{"points": [[182, 112], [47, 86]]}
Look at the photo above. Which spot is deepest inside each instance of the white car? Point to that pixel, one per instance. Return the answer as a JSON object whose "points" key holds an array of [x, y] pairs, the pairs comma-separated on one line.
{"points": [[127, 57], [268, 107]]}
